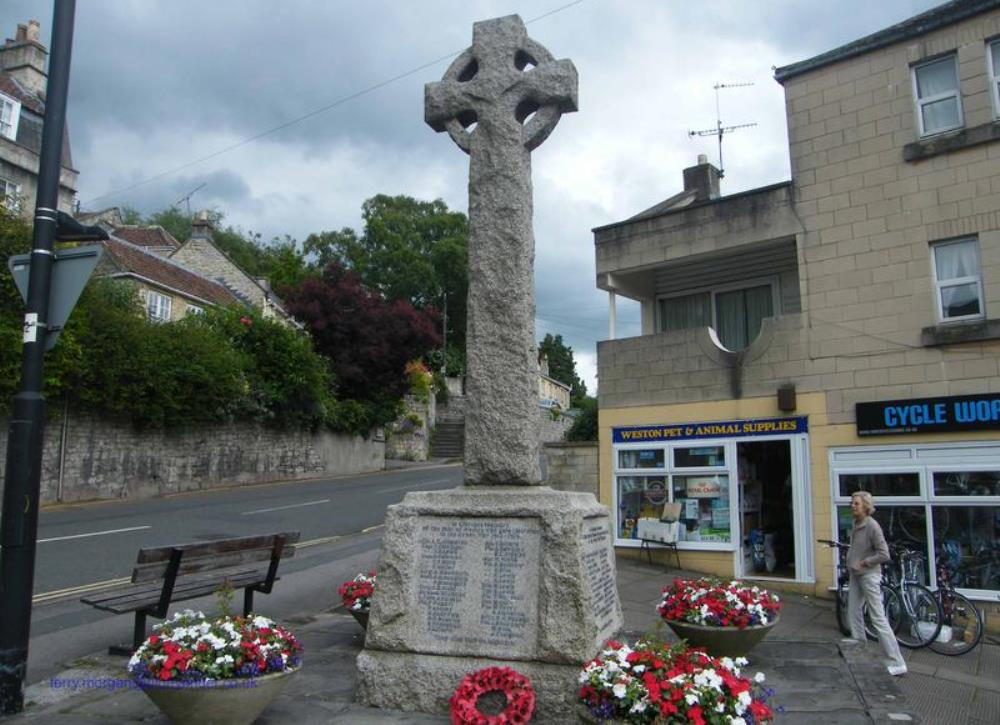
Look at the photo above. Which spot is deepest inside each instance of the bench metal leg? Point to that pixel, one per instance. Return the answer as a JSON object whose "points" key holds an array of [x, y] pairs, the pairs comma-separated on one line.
{"points": [[247, 601], [138, 637]]}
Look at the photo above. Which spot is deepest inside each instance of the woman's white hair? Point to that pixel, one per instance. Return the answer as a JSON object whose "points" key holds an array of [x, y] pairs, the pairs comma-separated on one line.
{"points": [[866, 501]]}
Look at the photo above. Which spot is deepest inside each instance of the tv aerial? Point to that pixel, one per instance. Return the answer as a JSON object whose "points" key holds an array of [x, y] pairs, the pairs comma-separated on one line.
{"points": [[719, 131], [186, 199]]}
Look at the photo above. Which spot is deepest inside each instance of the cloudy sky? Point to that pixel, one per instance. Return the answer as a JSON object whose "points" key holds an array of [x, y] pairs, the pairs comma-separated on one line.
{"points": [[291, 114]]}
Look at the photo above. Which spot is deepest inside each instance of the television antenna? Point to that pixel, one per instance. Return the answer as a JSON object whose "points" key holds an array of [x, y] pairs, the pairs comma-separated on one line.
{"points": [[720, 130], [187, 197]]}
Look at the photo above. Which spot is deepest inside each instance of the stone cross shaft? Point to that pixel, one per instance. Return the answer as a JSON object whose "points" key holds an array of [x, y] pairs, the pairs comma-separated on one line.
{"points": [[499, 100]]}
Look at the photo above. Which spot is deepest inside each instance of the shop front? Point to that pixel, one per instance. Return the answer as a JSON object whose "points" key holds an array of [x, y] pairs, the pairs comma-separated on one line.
{"points": [[742, 487], [940, 498]]}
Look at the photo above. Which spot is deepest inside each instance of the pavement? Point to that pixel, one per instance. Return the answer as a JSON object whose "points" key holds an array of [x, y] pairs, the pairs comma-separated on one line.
{"points": [[815, 678]]}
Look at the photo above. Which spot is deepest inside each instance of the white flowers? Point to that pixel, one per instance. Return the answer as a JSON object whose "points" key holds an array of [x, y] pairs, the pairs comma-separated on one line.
{"points": [[619, 690], [759, 677]]}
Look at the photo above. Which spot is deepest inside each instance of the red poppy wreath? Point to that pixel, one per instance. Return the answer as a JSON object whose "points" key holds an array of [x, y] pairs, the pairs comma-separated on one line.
{"points": [[513, 685]]}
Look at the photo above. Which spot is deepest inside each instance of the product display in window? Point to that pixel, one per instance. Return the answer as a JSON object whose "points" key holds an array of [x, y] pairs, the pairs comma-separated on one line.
{"points": [[704, 507]]}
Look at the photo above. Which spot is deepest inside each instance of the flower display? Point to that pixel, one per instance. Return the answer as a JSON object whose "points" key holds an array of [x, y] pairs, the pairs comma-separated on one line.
{"points": [[357, 593], [653, 683], [190, 647], [718, 604], [513, 685]]}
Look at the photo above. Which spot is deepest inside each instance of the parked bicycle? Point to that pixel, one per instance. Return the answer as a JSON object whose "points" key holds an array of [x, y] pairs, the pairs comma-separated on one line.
{"points": [[912, 610], [961, 620]]}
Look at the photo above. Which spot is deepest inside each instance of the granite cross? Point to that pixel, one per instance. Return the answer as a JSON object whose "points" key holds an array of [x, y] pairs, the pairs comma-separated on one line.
{"points": [[499, 100]]}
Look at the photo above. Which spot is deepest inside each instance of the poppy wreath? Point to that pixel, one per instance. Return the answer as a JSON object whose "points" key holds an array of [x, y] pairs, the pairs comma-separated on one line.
{"points": [[514, 686], [715, 603]]}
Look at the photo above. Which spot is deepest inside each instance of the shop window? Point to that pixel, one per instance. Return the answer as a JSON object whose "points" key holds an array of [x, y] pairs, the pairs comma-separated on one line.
{"points": [[639, 497], [967, 483], [939, 102], [901, 524], [645, 458], [735, 314], [704, 507], [700, 457], [969, 544], [880, 484], [958, 280]]}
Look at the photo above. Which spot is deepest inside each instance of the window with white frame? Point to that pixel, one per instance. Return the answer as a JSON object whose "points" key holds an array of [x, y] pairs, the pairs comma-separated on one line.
{"points": [[958, 282], [993, 61], [10, 112], [10, 194], [194, 310], [941, 500], [939, 100], [157, 307], [735, 313]]}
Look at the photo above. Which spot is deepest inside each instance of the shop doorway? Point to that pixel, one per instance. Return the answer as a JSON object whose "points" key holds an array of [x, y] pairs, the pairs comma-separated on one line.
{"points": [[766, 510]]}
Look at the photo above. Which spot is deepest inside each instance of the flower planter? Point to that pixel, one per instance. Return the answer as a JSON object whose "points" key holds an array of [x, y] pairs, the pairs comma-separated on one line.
{"points": [[722, 641], [361, 615], [237, 701]]}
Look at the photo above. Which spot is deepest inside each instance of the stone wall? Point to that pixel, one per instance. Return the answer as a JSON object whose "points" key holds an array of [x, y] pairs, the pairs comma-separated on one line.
{"points": [[550, 430], [572, 466], [405, 442], [105, 460]]}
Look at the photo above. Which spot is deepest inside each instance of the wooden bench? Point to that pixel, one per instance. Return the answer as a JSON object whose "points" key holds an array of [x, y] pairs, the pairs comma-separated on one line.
{"points": [[168, 574]]}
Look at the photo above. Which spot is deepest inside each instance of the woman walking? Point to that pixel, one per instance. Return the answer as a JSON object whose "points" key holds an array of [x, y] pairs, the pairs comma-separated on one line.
{"points": [[864, 560]]}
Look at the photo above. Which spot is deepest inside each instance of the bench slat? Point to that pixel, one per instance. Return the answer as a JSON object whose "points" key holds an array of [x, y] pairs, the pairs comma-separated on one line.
{"points": [[191, 564], [218, 546], [157, 587], [130, 601]]}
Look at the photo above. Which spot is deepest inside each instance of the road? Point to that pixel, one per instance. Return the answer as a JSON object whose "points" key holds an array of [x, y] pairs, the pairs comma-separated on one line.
{"points": [[88, 547]]}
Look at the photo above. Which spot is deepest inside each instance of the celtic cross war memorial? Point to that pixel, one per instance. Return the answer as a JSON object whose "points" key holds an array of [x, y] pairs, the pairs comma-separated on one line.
{"points": [[502, 570]]}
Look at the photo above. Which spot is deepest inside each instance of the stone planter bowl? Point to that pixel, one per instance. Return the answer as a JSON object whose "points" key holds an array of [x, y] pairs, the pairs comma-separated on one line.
{"points": [[361, 615], [722, 641], [220, 702]]}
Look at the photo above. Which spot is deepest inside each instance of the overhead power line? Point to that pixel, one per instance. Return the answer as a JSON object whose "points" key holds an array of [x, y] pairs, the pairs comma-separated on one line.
{"points": [[323, 109]]}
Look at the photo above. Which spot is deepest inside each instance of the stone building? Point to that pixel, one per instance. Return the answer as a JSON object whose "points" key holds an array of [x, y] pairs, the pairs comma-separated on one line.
{"points": [[837, 331], [166, 290], [23, 79], [199, 253]]}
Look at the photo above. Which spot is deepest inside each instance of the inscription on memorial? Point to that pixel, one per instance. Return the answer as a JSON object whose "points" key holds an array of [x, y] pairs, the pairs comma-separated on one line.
{"points": [[477, 585], [598, 568]]}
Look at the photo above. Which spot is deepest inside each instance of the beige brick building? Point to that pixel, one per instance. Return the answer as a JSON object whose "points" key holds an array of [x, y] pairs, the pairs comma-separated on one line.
{"points": [[834, 332]]}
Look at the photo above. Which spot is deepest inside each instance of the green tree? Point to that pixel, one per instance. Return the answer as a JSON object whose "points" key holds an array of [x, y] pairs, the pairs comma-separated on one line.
{"points": [[409, 250], [584, 428], [562, 366]]}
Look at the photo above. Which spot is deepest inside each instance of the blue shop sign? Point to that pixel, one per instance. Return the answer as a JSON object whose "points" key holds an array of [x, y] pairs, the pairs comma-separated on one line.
{"points": [[929, 415], [714, 429]]}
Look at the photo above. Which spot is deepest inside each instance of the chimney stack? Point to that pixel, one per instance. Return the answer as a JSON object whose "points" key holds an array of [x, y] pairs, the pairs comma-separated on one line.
{"points": [[26, 59], [702, 179], [202, 226]]}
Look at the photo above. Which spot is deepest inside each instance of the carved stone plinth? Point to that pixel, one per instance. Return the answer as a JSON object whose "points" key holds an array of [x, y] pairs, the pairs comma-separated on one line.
{"points": [[491, 575]]}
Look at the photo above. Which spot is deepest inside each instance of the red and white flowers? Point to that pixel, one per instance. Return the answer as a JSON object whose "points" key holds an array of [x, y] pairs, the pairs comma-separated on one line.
{"points": [[513, 685], [191, 648], [718, 604], [654, 683], [357, 593]]}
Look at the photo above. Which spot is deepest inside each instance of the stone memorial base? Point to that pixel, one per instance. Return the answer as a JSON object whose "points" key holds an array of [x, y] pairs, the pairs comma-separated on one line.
{"points": [[486, 576]]}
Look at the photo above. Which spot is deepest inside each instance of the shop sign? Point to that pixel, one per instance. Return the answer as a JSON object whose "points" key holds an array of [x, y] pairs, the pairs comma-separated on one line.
{"points": [[717, 429], [929, 415], [709, 487]]}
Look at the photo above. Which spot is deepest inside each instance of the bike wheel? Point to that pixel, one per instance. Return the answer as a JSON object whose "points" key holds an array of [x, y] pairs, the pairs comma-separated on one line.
{"points": [[842, 621], [962, 625], [919, 617], [890, 605]]}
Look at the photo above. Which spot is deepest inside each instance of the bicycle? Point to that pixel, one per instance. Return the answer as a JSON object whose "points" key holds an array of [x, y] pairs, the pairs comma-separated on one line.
{"points": [[961, 620], [843, 589], [914, 613]]}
